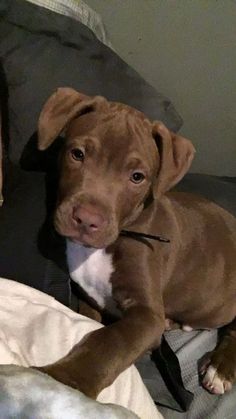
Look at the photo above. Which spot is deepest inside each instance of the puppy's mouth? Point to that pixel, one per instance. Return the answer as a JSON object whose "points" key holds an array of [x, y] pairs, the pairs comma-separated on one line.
{"points": [[88, 240]]}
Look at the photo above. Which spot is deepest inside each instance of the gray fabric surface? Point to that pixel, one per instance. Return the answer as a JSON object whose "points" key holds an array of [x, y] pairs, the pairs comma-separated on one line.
{"points": [[190, 347], [80, 11], [42, 50], [21, 218]]}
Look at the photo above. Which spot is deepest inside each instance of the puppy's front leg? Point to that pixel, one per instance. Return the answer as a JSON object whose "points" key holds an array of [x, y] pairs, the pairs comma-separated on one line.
{"points": [[86, 310], [105, 353]]}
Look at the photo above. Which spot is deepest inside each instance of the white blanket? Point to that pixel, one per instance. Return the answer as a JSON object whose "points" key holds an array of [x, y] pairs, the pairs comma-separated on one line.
{"points": [[35, 329]]}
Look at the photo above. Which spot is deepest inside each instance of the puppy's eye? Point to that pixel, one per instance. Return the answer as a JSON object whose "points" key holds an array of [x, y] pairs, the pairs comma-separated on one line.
{"points": [[77, 154], [137, 177]]}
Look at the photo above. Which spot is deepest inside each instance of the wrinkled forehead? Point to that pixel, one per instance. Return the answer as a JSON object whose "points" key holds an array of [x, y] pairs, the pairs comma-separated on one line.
{"points": [[125, 127]]}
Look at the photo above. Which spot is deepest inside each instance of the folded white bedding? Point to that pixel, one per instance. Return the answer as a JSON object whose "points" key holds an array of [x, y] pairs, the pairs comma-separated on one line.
{"points": [[35, 329]]}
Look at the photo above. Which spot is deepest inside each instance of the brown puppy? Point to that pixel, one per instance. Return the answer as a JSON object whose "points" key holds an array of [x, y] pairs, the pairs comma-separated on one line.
{"points": [[116, 168]]}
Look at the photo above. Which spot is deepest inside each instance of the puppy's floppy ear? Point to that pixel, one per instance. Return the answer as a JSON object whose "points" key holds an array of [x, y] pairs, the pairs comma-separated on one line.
{"points": [[63, 106], [176, 154]]}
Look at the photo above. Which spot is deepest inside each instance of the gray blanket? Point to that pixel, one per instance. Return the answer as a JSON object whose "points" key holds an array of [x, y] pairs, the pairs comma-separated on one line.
{"points": [[189, 348], [28, 394]]}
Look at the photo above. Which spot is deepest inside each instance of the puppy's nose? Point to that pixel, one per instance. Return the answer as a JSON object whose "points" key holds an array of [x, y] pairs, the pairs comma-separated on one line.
{"points": [[88, 218]]}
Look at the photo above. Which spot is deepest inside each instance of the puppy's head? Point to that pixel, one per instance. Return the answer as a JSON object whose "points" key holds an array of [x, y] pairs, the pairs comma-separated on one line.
{"points": [[112, 160]]}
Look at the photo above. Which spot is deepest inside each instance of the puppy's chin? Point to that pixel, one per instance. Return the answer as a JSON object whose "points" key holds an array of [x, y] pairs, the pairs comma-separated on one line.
{"points": [[98, 240], [87, 241]]}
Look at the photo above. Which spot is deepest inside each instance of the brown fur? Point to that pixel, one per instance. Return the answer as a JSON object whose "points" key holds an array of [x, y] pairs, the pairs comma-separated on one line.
{"points": [[191, 280]]}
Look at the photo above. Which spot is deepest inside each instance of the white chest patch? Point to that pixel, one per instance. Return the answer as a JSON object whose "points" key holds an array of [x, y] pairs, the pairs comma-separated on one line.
{"points": [[91, 269]]}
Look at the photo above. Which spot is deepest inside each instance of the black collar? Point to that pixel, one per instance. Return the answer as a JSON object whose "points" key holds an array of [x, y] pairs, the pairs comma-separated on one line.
{"points": [[136, 235]]}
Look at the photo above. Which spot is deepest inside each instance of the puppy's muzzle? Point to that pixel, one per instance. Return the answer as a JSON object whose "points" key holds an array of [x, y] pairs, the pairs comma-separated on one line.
{"points": [[85, 222]]}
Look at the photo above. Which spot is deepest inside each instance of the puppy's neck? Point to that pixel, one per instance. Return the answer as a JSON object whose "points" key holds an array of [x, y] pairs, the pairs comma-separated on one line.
{"points": [[91, 269]]}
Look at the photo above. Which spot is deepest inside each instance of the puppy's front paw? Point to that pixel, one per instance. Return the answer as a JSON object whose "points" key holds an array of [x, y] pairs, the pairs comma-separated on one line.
{"points": [[214, 382], [218, 372]]}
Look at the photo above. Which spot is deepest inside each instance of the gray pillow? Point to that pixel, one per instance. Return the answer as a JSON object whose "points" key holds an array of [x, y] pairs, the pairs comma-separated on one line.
{"points": [[221, 190], [42, 50]]}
